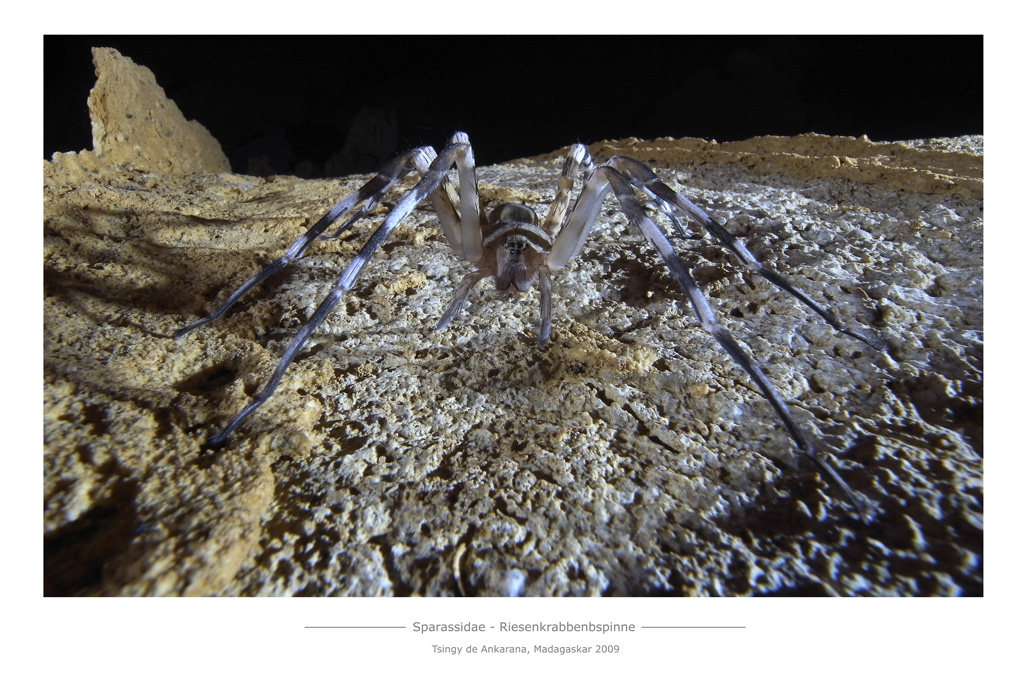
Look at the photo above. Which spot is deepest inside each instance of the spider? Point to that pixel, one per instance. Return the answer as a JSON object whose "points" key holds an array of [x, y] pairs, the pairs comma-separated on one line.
{"points": [[514, 247]]}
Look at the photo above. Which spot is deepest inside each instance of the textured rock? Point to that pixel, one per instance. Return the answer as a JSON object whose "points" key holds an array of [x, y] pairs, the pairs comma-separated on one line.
{"points": [[630, 457], [134, 123]]}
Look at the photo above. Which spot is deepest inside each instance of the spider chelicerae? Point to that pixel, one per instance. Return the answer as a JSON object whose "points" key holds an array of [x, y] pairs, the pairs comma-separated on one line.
{"points": [[512, 245]]}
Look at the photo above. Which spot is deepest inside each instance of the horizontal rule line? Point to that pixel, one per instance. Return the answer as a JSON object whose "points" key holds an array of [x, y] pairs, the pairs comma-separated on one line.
{"points": [[353, 627], [693, 627]]}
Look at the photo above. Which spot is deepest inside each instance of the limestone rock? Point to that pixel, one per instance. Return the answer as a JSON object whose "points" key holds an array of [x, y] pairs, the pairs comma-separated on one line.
{"points": [[134, 123], [631, 457]]}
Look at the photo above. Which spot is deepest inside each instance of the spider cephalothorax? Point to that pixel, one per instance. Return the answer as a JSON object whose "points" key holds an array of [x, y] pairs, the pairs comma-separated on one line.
{"points": [[515, 248]]}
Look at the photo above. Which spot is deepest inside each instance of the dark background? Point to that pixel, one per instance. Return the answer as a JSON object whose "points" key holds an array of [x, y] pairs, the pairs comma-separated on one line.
{"points": [[324, 106]]}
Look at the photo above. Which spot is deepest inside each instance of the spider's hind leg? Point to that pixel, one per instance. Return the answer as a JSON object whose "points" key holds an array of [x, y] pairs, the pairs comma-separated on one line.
{"points": [[643, 177]]}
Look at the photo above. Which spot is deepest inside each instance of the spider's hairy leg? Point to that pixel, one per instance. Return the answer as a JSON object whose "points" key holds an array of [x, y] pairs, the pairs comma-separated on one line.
{"points": [[452, 154], [370, 193], [606, 178], [576, 159], [446, 203], [463, 228], [544, 279], [459, 298], [644, 177], [471, 243]]}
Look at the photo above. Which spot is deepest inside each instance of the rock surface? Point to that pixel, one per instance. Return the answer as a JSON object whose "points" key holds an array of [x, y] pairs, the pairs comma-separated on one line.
{"points": [[630, 457], [133, 123]]}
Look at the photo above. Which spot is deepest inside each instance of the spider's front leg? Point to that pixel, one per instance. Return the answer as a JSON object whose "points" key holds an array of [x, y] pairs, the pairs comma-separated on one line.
{"points": [[434, 168], [620, 175]]}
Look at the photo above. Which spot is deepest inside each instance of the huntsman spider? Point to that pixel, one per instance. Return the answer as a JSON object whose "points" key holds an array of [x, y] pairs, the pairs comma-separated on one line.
{"points": [[514, 247]]}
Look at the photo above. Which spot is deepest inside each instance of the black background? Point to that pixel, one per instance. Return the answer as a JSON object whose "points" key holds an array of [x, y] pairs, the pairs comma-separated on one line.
{"points": [[331, 105]]}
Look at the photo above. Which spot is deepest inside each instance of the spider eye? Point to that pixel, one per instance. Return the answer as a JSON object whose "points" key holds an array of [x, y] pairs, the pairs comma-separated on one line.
{"points": [[514, 246]]}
